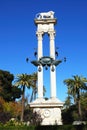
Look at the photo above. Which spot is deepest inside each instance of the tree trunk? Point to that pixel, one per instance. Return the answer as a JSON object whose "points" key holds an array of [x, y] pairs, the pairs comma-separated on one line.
{"points": [[79, 110], [79, 106], [31, 98], [23, 104]]}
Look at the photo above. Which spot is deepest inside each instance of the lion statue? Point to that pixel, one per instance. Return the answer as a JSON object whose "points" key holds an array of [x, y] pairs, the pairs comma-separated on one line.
{"points": [[45, 15]]}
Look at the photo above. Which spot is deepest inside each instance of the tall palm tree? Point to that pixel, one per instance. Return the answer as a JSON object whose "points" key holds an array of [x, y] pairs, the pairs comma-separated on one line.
{"points": [[67, 102], [75, 86], [23, 80], [34, 87]]}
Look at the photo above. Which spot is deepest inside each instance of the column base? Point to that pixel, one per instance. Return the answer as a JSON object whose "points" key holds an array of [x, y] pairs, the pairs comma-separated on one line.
{"points": [[49, 110]]}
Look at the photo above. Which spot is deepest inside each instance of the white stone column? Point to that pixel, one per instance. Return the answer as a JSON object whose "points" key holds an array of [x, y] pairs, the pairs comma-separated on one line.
{"points": [[52, 73], [40, 73], [52, 43]]}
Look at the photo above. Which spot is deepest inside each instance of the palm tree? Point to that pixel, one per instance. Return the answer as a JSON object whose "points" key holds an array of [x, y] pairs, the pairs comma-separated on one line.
{"points": [[75, 86], [34, 87], [67, 102], [23, 80]]}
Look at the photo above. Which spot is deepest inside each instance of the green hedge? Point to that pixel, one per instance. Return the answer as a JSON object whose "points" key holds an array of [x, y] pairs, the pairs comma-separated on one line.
{"points": [[17, 128], [62, 127]]}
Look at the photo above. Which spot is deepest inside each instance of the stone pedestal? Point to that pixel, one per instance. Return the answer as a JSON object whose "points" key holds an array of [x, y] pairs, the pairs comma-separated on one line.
{"points": [[49, 110]]}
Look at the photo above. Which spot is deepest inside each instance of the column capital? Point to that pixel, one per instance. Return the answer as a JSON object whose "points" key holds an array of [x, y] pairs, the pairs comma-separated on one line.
{"points": [[51, 34], [39, 35]]}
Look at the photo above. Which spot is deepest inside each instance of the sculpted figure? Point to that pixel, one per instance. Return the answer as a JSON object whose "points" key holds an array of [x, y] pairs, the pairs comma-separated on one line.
{"points": [[45, 15]]}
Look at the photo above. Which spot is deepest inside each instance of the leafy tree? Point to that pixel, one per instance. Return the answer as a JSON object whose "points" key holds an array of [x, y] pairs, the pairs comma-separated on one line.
{"points": [[14, 108], [1, 104], [4, 115], [29, 81], [24, 81], [75, 86], [16, 92], [67, 103], [69, 114], [84, 105], [7, 91]]}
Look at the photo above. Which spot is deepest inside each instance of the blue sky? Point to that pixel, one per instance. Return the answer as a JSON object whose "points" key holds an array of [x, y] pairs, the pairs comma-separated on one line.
{"points": [[18, 38]]}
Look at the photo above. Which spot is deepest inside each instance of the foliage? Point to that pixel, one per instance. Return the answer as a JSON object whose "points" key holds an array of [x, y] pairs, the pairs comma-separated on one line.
{"points": [[7, 91], [70, 114], [25, 80], [30, 118], [16, 93], [67, 103], [14, 122], [9, 110], [75, 87], [84, 100], [67, 114], [62, 127], [33, 117], [84, 105], [33, 83], [1, 104], [14, 108], [4, 117]]}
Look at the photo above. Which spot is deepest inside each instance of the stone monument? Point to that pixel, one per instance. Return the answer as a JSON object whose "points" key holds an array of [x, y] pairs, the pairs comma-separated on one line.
{"points": [[50, 110]]}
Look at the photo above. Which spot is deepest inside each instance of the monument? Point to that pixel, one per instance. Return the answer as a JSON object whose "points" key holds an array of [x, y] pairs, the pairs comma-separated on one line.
{"points": [[50, 110]]}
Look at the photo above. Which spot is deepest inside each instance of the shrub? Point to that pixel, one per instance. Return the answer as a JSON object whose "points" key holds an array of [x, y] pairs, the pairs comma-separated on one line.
{"points": [[4, 117], [33, 117]]}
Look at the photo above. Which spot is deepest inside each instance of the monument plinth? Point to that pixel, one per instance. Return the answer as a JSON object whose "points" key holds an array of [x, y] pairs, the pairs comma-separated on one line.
{"points": [[50, 110], [45, 21]]}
